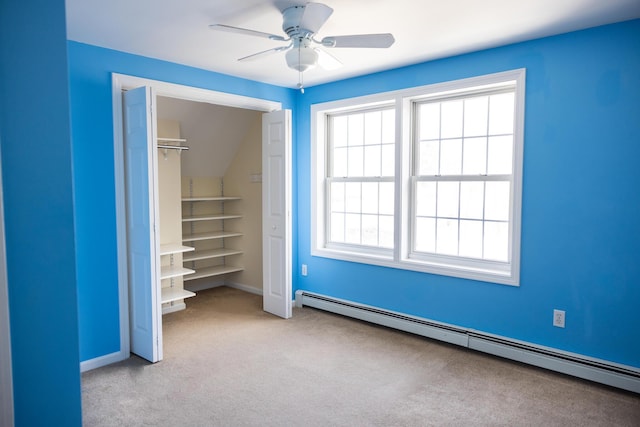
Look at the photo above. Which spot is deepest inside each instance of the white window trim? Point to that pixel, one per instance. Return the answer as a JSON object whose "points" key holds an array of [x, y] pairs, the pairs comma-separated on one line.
{"points": [[403, 100]]}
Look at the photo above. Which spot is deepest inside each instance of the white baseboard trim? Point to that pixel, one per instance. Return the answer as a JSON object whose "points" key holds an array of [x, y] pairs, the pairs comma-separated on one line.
{"points": [[201, 286], [101, 361], [577, 365], [246, 288]]}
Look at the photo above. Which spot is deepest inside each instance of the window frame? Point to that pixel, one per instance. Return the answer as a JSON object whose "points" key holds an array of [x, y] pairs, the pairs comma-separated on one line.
{"points": [[401, 256]]}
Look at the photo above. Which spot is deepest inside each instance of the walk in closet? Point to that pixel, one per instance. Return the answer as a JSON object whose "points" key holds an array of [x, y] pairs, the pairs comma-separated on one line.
{"points": [[210, 205]]}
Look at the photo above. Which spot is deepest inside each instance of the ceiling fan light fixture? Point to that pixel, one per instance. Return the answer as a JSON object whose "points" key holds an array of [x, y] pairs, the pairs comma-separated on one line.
{"points": [[302, 58]]}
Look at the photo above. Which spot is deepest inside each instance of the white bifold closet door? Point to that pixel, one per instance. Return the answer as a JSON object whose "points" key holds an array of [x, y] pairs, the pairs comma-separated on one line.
{"points": [[276, 213], [145, 315]]}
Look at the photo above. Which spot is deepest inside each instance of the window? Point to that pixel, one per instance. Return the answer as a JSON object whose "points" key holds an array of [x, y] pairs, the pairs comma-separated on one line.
{"points": [[426, 179], [360, 179]]}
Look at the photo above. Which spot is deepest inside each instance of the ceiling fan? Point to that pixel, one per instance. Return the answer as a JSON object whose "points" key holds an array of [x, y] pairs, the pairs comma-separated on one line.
{"points": [[301, 23]]}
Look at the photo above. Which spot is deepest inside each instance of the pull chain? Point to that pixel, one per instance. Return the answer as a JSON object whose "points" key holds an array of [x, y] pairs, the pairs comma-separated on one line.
{"points": [[300, 76]]}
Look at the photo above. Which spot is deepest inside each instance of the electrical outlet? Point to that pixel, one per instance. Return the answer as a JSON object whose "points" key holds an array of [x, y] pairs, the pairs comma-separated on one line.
{"points": [[558, 318], [304, 269]]}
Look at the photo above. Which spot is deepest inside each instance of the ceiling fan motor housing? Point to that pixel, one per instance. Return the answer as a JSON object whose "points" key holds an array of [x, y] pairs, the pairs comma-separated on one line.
{"points": [[291, 24]]}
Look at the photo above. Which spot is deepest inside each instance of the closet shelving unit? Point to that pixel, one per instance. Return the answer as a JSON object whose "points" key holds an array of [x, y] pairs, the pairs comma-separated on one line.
{"points": [[171, 271], [219, 254]]}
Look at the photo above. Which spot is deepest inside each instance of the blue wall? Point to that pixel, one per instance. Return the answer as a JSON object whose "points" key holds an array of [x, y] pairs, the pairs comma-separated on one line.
{"points": [[90, 71], [39, 217], [581, 200]]}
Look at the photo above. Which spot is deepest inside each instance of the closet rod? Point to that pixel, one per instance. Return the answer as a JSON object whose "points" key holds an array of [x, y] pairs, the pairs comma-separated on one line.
{"points": [[173, 147]]}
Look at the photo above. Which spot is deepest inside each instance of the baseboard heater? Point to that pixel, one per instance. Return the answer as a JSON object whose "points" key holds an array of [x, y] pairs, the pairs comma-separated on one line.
{"points": [[601, 371]]}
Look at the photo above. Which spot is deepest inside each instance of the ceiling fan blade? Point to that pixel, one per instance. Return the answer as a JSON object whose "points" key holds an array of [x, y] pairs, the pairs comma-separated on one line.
{"points": [[230, 29], [314, 16], [264, 53], [361, 40], [327, 61]]}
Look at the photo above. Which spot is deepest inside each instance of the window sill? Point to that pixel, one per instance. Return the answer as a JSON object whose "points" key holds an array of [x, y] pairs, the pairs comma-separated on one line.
{"points": [[498, 276]]}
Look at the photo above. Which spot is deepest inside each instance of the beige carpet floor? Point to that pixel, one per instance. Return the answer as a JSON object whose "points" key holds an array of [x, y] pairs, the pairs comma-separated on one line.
{"points": [[227, 363]]}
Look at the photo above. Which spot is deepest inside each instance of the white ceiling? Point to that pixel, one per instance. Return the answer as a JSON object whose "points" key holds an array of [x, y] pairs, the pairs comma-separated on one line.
{"points": [[177, 30]]}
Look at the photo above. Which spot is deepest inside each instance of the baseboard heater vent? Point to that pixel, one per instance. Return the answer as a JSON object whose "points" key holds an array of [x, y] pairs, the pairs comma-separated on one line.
{"points": [[604, 372]]}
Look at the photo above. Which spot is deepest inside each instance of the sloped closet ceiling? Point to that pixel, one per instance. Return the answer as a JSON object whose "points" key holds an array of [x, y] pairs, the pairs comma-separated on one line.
{"points": [[213, 133]]}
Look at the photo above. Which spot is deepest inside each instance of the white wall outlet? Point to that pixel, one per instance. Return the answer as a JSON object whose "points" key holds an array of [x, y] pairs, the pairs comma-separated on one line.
{"points": [[558, 318], [304, 269]]}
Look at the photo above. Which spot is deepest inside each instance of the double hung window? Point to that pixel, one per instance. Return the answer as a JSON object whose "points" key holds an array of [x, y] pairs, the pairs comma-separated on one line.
{"points": [[360, 179], [425, 179]]}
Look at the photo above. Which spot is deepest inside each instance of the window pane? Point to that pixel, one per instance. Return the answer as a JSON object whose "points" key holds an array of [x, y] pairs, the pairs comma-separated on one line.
{"points": [[429, 158], [387, 202], [496, 204], [500, 155], [451, 119], [337, 197], [475, 156], [356, 129], [447, 236], [429, 121], [352, 228], [475, 116], [370, 230], [386, 231], [496, 244], [339, 162], [471, 239], [448, 199], [388, 127], [388, 160], [451, 157], [471, 200], [425, 237], [353, 200], [426, 199], [339, 136], [370, 197], [372, 160], [337, 227], [501, 118], [355, 161], [373, 128]]}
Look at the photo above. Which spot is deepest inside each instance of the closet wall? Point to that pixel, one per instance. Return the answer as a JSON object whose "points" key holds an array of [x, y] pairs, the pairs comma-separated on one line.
{"points": [[244, 178], [224, 158]]}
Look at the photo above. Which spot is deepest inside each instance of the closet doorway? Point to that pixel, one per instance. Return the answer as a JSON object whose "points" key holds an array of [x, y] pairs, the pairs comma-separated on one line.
{"points": [[155, 185]]}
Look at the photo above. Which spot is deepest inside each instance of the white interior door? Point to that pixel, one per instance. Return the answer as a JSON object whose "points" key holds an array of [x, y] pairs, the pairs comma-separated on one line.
{"points": [[276, 212], [145, 319]]}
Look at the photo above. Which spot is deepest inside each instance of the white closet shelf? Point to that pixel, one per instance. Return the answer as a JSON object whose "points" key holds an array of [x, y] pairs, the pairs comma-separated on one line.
{"points": [[170, 271], [209, 236], [210, 217], [210, 199], [174, 248], [175, 294], [213, 253], [213, 271]]}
